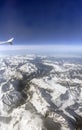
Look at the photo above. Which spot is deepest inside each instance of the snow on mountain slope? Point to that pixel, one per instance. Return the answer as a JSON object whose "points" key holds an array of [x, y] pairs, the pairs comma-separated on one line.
{"points": [[40, 93]]}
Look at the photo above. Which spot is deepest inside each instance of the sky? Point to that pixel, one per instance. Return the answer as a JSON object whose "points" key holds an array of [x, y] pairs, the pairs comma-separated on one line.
{"points": [[41, 22]]}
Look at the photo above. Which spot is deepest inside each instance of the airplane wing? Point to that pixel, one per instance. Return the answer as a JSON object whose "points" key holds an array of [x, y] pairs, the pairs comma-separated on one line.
{"points": [[8, 42]]}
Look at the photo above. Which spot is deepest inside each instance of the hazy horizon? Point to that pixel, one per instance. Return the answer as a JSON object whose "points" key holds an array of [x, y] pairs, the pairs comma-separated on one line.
{"points": [[56, 50]]}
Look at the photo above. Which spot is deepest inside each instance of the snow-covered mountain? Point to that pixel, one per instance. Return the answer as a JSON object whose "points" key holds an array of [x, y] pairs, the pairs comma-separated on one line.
{"points": [[40, 93]]}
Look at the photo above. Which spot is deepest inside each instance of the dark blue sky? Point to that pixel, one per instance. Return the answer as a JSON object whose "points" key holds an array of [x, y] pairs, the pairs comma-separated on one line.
{"points": [[41, 21]]}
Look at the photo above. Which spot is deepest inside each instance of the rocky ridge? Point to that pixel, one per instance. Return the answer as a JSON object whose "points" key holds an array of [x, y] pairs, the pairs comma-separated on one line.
{"points": [[40, 93]]}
